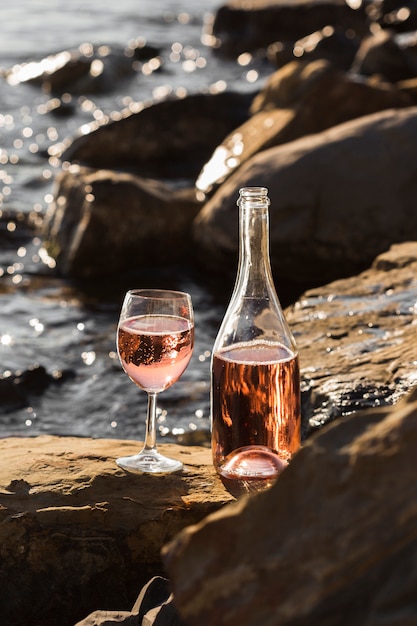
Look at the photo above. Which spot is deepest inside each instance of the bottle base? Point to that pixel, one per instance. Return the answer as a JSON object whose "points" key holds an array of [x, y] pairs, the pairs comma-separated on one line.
{"points": [[252, 463]]}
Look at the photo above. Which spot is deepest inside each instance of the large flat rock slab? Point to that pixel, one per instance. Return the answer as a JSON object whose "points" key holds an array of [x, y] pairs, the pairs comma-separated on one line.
{"points": [[77, 533]]}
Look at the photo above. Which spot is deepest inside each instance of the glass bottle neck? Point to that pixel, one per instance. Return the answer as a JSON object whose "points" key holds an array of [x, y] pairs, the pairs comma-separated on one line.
{"points": [[254, 276]]}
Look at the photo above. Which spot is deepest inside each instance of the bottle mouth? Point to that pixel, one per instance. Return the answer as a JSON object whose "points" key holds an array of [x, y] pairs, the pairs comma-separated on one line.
{"points": [[253, 191], [254, 195]]}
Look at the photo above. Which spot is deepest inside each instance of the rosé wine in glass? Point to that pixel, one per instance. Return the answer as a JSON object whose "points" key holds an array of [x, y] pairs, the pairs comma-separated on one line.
{"points": [[155, 350]]}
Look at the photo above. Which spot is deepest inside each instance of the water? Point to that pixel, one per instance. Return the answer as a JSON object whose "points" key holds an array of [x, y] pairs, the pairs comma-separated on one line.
{"points": [[52, 327]]}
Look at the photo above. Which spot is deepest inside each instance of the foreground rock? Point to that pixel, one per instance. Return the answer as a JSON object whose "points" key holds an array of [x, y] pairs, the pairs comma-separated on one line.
{"points": [[338, 199], [333, 542], [77, 533]]}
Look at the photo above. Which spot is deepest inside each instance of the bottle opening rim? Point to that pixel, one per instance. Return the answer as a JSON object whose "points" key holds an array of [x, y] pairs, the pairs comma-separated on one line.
{"points": [[251, 192], [255, 197]]}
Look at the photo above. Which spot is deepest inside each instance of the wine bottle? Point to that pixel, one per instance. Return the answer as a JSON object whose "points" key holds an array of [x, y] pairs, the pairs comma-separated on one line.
{"points": [[255, 380]]}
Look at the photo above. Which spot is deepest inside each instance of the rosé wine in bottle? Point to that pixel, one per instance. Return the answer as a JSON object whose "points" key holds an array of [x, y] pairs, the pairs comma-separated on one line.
{"points": [[155, 350], [255, 409]]}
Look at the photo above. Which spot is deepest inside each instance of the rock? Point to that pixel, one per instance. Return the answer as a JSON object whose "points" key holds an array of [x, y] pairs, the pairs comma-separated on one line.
{"points": [[409, 86], [333, 542], [107, 618], [390, 56], [302, 84], [87, 69], [16, 388], [78, 534], [338, 199], [300, 99], [172, 138], [155, 604], [335, 45], [241, 26], [102, 223], [137, 219], [154, 607], [396, 15], [357, 339]]}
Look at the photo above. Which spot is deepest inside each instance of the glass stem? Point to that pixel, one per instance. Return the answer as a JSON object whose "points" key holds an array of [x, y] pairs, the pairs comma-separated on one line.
{"points": [[150, 440]]}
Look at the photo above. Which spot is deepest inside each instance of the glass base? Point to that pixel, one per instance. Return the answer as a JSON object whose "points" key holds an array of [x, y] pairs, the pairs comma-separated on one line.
{"points": [[149, 462]]}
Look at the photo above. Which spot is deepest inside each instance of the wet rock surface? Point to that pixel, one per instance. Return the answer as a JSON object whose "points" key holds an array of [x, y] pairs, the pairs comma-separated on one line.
{"points": [[88, 69], [17, 388], [357, 338]]}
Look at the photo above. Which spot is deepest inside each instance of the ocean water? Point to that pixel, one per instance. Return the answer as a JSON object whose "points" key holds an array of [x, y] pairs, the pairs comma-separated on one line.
{"points": [[59, 338]]}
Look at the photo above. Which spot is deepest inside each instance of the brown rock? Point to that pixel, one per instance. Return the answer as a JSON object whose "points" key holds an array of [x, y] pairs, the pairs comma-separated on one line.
{"points": [[300, 99], [410, 87], [102, 223], [107, 618], [86, 69], [245, 26], [171, 139], [332, 543], [387, 55], [78, 534], [337, 45], [338, 199]]}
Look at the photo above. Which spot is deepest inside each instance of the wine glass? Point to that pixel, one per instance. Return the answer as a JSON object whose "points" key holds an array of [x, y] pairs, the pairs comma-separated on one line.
{"points": [[155, 340]]}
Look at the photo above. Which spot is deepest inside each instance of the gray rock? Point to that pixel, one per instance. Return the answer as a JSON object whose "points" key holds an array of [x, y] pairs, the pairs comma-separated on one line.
{"points": [[338, 199]]}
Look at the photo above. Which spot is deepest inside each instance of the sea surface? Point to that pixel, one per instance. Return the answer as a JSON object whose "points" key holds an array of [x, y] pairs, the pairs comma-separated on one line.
{"points": [[59, 336]]}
